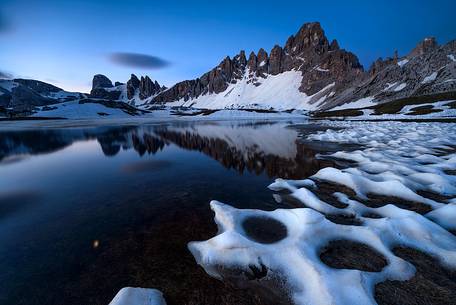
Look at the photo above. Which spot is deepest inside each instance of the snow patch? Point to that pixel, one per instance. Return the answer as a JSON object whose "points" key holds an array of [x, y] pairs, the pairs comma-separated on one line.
{"points": [[389, 86], [451, 57], [74, 110], [402, 62], [400, 87], [280, 92], [429, 78], [138, 296], [321, 70], [361, 103]]}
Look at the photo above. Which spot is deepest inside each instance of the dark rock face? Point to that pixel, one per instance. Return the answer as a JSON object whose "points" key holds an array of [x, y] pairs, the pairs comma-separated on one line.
{"points": [[427, 69], [105, 94], [132, 85], [38, 86], [101, 81], [100, 84], [427, 45], [5, 97], [145, 86], [24, 98]]}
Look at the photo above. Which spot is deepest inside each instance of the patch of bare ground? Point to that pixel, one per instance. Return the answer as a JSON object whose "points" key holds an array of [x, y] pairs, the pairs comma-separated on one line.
{"points": [[346, 254], [432, 283], [376, 201], [450, 172], [264, 230], [325, 191], [349, 220], [434, 196]]}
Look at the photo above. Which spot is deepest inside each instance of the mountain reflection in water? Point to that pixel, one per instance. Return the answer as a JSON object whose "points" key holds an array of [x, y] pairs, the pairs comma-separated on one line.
{"points": [[258, 148], [87, 211]]}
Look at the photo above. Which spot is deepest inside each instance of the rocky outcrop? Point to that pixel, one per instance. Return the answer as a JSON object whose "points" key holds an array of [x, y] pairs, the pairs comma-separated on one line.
{"points": [[24, 95], [102, 88], [38, 86], [102, 93], [428, 45], [24, 98], [427, 69], [101, 81], [144, 87], [132, 86]]}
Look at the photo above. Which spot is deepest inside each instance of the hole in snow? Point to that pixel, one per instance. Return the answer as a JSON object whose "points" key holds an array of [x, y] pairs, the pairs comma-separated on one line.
{"points": [[433, 196], [264, 230], [372, 215], [376, 201], [326, 190], [344, 219], [346, 254], [432, 284], [450, 172]]}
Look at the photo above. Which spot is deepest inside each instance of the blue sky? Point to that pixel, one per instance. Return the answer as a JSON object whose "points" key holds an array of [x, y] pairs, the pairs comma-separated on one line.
{"points": [[67, 42]]}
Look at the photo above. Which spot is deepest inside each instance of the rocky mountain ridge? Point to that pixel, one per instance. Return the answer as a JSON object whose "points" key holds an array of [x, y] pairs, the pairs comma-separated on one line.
{"points": [[136, 91], [328, 76], [23, 97]]}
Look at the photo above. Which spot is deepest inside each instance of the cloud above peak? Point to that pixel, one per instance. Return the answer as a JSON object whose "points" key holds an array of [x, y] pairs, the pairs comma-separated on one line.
{"points": [[5, 75], [137, 60]]}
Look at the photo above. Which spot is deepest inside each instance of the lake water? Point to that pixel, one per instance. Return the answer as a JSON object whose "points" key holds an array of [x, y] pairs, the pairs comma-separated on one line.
{"points": [[87, 211]]}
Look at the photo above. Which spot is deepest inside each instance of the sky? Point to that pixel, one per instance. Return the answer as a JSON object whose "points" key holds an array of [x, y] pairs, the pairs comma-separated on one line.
{"points": [[66, 42]]}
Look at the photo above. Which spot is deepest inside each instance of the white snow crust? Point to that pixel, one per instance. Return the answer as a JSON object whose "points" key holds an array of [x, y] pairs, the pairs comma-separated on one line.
{"points": [[430, 78], [363, 102], [138, 296], [402, 62], [400, 87], [74, 110], [395, 160]]}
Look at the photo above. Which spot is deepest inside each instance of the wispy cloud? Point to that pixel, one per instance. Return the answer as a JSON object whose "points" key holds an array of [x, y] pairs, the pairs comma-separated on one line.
{"points": [[137, 60], [5, 75]]}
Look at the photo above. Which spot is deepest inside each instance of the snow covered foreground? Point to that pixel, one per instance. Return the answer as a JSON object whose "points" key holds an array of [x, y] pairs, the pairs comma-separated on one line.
{"points": [[397, 160]]}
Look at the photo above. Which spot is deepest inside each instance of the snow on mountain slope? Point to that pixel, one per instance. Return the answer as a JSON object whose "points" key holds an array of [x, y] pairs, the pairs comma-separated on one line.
{"points": [[361, 103], [74, 110], [280, 92]]}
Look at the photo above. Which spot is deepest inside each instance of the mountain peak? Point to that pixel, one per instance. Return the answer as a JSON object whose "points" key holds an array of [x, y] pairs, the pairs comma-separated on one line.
{"points": [[310, 35], [101, 81], [427, 45]]}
